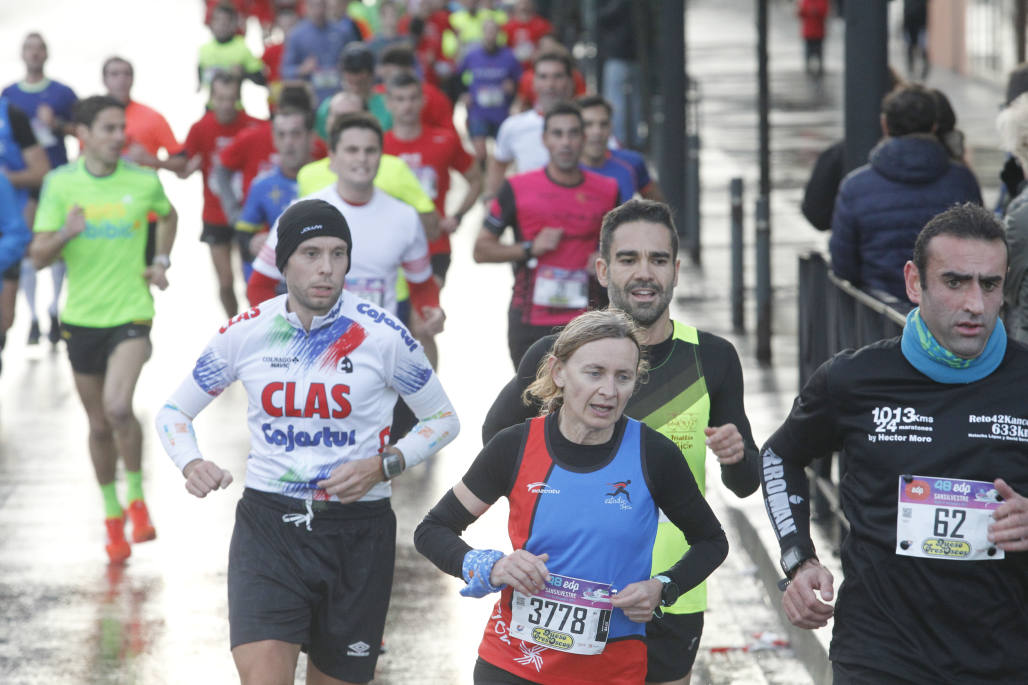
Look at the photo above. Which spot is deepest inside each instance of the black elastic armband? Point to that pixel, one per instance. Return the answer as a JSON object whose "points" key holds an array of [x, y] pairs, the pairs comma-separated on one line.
{"points": [[437, 537]]}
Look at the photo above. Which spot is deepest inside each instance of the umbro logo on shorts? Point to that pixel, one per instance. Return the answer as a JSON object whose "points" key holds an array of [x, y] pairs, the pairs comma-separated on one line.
{"points": [[358, 649]]}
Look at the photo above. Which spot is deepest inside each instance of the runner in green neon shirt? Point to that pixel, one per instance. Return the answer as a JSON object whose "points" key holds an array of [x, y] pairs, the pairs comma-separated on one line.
{"points": [[93, 214]]}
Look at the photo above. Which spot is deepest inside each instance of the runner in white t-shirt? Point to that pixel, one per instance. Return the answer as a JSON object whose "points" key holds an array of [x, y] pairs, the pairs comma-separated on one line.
{"points": [[388, 232], [520, 138], [311, 559]]}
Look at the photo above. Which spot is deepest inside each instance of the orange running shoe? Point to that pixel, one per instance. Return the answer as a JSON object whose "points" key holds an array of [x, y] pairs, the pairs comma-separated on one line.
{"points": [[118, 549], [142, 528]]}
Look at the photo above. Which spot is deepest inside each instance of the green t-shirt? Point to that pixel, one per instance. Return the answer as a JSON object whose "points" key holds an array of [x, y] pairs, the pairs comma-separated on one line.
{"points": [[106, 286], [232, 53], [376, 105]]}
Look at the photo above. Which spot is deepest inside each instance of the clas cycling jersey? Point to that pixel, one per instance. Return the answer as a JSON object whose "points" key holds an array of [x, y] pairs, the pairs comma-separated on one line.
{"points": [[316, 399]]}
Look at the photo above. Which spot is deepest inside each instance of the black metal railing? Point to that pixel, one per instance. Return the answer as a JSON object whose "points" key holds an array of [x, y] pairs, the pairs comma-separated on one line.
{"points": [[835, 315]]}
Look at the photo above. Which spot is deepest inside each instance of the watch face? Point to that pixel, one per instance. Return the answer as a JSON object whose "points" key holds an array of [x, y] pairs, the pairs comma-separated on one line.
{"points": [[669, 592], [669, 595], [391, 465], [791, 558]]}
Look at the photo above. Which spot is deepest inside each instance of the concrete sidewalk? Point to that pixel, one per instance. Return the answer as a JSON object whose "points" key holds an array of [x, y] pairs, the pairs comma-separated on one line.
{"points": [[806, 117]]}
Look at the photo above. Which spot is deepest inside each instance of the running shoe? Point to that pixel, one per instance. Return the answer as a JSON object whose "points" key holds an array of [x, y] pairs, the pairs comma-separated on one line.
{"points": [[118, 549], [142, 528], [54, 334], [34, 333]]}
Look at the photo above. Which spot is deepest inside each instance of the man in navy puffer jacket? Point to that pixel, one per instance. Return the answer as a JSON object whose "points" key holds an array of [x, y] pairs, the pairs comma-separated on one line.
{"points": [[883, 205]]}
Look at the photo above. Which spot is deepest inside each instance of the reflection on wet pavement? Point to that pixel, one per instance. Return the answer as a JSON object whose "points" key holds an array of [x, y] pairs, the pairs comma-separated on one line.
{"points": [[67, 617]]}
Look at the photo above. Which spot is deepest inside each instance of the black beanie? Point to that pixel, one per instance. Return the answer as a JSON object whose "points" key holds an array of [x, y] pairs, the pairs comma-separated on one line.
{"points": [[308, 219]]}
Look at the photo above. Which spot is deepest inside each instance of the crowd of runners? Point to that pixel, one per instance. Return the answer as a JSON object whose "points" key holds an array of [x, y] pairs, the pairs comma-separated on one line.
{"points": [[328, 228]]}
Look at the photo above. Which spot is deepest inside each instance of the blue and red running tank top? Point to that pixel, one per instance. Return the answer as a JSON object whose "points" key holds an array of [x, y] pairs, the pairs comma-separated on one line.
{"points": [[597, 524]]}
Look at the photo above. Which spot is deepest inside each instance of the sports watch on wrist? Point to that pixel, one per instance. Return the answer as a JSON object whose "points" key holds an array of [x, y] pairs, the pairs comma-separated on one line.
{"points": [[669, 593], [162, 260], [793, 557], [392, 465], [526, 245]]}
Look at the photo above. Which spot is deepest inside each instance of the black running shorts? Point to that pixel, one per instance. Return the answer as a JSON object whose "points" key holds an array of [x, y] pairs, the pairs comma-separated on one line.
{"points": [[326, 589], [89, 348], [213, 234], [672, 642]]}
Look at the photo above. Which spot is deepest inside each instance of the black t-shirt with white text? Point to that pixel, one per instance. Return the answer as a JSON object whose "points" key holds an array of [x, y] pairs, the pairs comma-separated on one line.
{"points": [[924, 619]]}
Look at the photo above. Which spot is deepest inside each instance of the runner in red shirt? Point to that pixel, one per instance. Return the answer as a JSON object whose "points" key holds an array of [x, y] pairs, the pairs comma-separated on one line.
{"points": [[206, 138], [555, 213], [524, 30], [261, 10], [526, 89], [430, 152], [427, 26], [252, 152], [285, 19], [437, 110]]}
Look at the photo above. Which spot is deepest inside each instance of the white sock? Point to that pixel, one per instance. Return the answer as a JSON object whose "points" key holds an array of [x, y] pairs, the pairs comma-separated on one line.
{"points": [[27, 283], [57, 271]]}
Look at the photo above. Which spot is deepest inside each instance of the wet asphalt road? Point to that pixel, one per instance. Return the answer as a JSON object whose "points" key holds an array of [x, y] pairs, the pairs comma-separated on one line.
{"points": [[67, 617]]}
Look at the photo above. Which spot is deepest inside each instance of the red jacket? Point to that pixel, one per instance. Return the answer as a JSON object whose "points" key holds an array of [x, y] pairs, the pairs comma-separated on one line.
{"points": [[813, 13]]}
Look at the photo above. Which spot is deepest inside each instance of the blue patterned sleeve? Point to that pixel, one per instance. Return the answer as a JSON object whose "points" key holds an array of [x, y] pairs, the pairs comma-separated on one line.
{"points": [[212, 373]]}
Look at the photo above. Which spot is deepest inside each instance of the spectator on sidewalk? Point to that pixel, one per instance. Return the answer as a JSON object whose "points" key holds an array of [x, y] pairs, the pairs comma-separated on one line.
{"points": [[951, 137], [823, 184], [1011, 175], [1013, 129], [883, 205], [621, 75], [915, 32], [812, 14]]}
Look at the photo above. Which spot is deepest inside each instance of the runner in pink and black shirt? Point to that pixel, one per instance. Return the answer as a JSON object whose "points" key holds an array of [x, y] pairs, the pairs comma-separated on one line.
{"points": [[555, 213]]}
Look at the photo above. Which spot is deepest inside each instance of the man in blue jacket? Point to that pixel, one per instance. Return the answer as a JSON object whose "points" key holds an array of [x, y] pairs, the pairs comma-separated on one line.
{"points": [[883, 205]]}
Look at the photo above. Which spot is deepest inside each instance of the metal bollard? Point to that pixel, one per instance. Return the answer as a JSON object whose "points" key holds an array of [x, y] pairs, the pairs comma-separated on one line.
{"points": [[738, 317], [692, 170], [763, 280]]}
